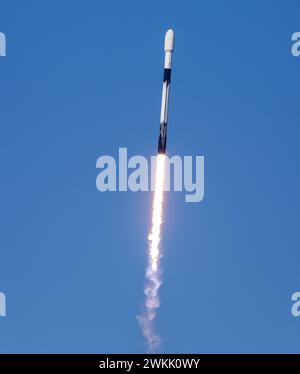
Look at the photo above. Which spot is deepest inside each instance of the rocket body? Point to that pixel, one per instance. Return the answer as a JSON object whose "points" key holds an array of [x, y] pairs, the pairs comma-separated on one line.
{"points": [[169, 47]]}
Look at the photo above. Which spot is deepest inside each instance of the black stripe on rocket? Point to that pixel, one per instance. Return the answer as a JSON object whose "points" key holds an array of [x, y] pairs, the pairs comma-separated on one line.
{"points": [[167, 75]]}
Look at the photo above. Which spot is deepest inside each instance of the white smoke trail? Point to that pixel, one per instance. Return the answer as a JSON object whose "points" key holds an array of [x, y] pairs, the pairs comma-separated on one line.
{"points": [[153, 273]]}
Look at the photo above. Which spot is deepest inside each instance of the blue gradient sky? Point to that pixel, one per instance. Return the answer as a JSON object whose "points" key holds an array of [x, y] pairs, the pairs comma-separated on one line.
{"points": [[83, 78]]}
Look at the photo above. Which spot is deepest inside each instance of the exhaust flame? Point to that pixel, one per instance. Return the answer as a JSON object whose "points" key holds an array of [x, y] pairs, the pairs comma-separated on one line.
{"points": [[154, 254]]}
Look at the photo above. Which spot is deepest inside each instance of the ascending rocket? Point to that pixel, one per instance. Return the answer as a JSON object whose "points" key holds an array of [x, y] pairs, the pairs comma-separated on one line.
{"points": [[169, 46]]}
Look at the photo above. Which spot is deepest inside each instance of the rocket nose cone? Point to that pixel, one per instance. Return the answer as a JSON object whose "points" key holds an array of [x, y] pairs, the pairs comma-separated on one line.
{"points": [[169, 40]]}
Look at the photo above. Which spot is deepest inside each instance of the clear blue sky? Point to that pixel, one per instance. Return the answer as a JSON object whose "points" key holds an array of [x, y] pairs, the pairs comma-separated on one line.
{"points": [[83, 78]]}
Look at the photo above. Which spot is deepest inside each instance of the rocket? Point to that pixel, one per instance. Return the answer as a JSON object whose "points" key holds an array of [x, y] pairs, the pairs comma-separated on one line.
{"points": [[169, 47]]}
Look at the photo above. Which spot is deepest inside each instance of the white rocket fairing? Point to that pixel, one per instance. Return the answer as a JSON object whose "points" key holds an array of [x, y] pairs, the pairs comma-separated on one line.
{"points": [[169, 47]]}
